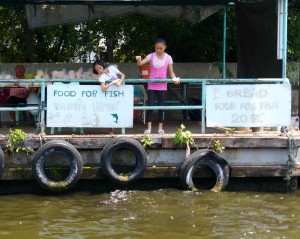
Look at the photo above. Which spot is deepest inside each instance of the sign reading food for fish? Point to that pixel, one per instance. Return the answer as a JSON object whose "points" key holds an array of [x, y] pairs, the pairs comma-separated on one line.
{"points": [[257, 105], [87, 106]]}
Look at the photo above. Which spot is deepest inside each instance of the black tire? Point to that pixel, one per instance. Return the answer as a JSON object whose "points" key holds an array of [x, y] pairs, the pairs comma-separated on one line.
{"points": [[2, 161], [66, 150], [209, 159], [140, 160]]}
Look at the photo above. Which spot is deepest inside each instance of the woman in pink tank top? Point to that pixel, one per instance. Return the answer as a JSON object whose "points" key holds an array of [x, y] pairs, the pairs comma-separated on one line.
{"points": [[160, 64]]}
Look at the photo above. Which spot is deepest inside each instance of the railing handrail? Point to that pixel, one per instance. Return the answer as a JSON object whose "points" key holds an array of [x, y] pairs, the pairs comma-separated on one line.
{"points": [[139, 80], [43, 83]]}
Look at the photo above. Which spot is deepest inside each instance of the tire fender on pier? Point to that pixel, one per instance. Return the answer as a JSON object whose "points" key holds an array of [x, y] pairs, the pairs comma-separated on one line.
{"points": [[2, 161], [210, 159], [134, 147], [47, 152]]}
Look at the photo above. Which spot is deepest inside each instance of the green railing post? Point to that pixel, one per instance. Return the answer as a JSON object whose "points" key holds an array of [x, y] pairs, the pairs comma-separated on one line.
{"points": [[43, 104], [203, 110], [204, 82], [224, 42], [284, 38]]}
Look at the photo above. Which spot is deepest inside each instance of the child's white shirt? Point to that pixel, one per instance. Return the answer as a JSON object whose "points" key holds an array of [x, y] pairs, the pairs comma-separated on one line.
{"points": [[111, 75]]}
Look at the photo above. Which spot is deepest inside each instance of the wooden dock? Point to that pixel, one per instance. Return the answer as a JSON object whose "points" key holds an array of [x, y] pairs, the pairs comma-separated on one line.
{"points": [[266, 154]]}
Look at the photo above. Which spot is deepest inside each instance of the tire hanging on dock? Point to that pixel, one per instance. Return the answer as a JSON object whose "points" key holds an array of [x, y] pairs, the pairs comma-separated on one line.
{"points": [[109, 151], [2, 161], [48, 150], [207, 158]]}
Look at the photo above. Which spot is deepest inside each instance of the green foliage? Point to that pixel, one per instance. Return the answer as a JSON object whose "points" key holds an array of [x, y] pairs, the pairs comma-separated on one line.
{"points": [[183, 137], [15, 141], [230, 132], [294, 31], [218, 147], [292, 72], [119, 39], [147, 141]]}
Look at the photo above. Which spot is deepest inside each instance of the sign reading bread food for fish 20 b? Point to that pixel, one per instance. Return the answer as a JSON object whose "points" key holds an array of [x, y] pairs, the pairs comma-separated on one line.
{"points": [[87, 106], [257, 105]]}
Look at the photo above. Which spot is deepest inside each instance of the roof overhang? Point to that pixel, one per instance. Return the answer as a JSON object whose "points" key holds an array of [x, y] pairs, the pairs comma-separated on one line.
{"points": [[53, 12], [49, 15], [119, 2]]}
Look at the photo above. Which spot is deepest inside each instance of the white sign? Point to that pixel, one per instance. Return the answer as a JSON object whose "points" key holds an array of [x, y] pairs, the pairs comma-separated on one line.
{"points": [[261, 105], [87, 106]]}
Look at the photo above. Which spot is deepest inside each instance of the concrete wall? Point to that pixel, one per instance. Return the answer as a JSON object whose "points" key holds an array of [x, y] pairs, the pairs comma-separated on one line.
{"points": [[183, 70]]}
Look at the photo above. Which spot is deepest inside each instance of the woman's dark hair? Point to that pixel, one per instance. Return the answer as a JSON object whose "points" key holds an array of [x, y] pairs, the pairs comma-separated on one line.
{"points": [[99, 62], [160, 40]]}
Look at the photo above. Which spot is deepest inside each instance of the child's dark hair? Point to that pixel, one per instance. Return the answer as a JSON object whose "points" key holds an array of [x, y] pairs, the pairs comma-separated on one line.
{"points": [[99, 62], [160, 40]]}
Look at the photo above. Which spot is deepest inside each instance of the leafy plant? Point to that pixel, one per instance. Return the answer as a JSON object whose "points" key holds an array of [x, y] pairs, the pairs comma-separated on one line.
{"points": [[183, 136], [147, 141], [218, 147], [15, 142], [230, 131], [293, 72]]}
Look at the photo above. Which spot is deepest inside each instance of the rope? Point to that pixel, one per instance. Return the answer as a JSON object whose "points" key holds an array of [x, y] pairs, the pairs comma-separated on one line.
{"points": [[41, 137], [39, 124], [210, 141], [292, 154]]}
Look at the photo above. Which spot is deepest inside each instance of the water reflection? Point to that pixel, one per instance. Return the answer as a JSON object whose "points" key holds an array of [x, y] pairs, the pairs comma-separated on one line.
{"points": [[166, 213]]}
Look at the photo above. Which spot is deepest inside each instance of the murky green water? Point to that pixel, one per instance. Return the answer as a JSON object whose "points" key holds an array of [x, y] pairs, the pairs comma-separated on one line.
{"points": [[166, 213]]}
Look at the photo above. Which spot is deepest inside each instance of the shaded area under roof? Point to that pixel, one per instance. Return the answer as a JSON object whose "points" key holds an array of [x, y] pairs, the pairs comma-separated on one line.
{"points": [[120, 2], [49, 15], [42, 13]]}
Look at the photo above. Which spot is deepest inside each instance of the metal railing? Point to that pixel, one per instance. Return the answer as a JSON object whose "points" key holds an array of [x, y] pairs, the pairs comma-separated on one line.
{"points": [[185, 83]]}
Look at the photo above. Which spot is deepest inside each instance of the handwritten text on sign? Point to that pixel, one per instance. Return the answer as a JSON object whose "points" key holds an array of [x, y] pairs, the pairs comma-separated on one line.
{"points": [[261, 105], [87, 106]]}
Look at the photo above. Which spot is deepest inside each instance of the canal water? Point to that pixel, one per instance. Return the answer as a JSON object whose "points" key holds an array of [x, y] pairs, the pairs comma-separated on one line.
{"points": [[159, 213]]}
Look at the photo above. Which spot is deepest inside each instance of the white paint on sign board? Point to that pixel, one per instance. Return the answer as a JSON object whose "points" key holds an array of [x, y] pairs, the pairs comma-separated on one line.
{"points": [[87, 106], [259, 105]]}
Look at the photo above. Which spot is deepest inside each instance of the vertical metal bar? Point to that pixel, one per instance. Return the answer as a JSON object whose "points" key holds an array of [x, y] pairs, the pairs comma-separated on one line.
{"points": [[204, 107], [284, 38], [42, 112], [184, 95], [224, 42]]}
